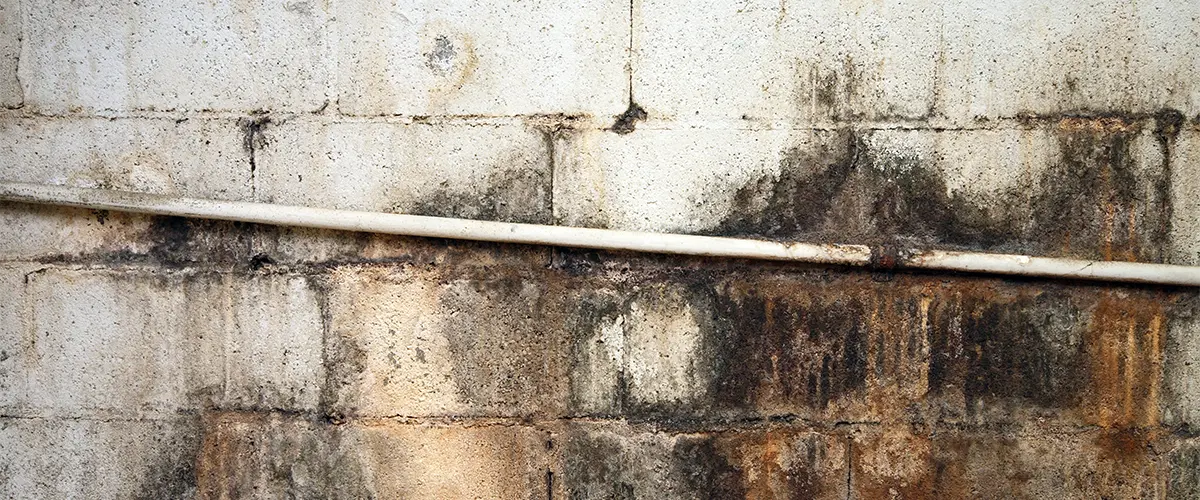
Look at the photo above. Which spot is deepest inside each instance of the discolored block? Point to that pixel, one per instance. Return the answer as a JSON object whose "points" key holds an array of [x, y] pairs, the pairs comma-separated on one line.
{"points": [[248, 454], [197, 157], [834, 348], [1183, 478], [272, 455], [920, 463], [1180, 403], [490, 461], [616, 460], [412, 342], [823, 63], [51, 458], [1094, 188]]}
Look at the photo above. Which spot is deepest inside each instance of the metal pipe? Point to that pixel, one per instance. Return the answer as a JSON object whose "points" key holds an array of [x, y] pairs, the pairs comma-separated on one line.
{"points": [[606, 239]]}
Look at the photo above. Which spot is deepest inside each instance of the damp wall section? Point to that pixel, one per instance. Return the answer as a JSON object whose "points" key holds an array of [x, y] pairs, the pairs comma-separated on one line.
{"points": [[159, 357]]}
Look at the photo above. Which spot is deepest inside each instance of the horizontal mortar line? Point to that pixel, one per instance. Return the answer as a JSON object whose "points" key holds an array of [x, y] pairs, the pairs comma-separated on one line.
{"points": [[886, 258], [593, 123], [661, 425]]}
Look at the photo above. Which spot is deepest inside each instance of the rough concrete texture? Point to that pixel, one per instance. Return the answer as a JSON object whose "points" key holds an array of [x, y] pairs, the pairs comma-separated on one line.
{"points": [[11, 95], [953, 62], [1089, 188], [490, 58], [84, 458], [469, 171], [133, 343], [120, 56], [158, 357], [1185, 193]]}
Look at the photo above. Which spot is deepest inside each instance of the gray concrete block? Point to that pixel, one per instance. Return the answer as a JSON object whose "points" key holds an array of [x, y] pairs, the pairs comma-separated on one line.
{"points": [[136, 342], [50, 458], [478, 58], [117, 56], [913, 61], [492, 172]]}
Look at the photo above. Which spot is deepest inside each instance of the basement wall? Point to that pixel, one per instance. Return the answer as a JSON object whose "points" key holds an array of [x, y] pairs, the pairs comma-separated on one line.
{"points": [[159, 357]]}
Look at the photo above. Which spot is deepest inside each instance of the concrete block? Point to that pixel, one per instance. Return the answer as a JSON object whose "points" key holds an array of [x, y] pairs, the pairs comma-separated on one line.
{"points": [[472, 171], [196, 157], [660, 180], [614, 460], [1181, 364], [50, 458], [14, 339], [274, 456], [11, 94], [478, 58], [1102, 463], [1183, 479], [118, 56], [950, 62], [274, 344], [710, 347], [201, 158], [269, 455], [1003, 59], [132, 342], [811, 63], [413, 343], [120, 341], [1089, 188], [418, 461]]}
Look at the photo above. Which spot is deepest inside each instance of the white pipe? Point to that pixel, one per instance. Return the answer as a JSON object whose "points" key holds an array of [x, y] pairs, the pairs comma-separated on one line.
{"points": [[606, 239]]}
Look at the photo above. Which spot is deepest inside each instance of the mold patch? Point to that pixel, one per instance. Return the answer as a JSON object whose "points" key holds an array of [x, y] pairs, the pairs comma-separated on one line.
{"points": [[521, 195], [627, 121], [1092, 201]]}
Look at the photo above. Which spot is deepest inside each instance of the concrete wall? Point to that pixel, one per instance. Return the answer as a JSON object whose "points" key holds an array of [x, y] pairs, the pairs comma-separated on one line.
{"points": [[152, 357]]}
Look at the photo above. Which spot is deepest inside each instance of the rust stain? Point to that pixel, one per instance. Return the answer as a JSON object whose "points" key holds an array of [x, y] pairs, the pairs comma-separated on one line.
{"points": [[1125, 353], [1099, 125]]}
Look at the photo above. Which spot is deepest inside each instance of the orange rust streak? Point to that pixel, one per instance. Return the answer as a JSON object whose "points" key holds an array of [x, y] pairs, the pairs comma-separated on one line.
{"points": [[1124, 348]]}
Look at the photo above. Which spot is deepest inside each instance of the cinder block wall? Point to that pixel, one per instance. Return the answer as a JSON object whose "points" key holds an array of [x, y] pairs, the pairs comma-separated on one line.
{"points": [[151, 357]]}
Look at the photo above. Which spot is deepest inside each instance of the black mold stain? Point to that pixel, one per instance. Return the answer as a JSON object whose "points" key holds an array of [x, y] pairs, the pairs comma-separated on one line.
{"points": [[1030, 349], [521, 195], [593, 313], [704, 470], [627, 122], [172, 470], [1089, 203], [260, 260], [835, 92], [1183, 480], [1167, 124], [776, 350], [253, 138], [598, 466], [179, 241]]}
